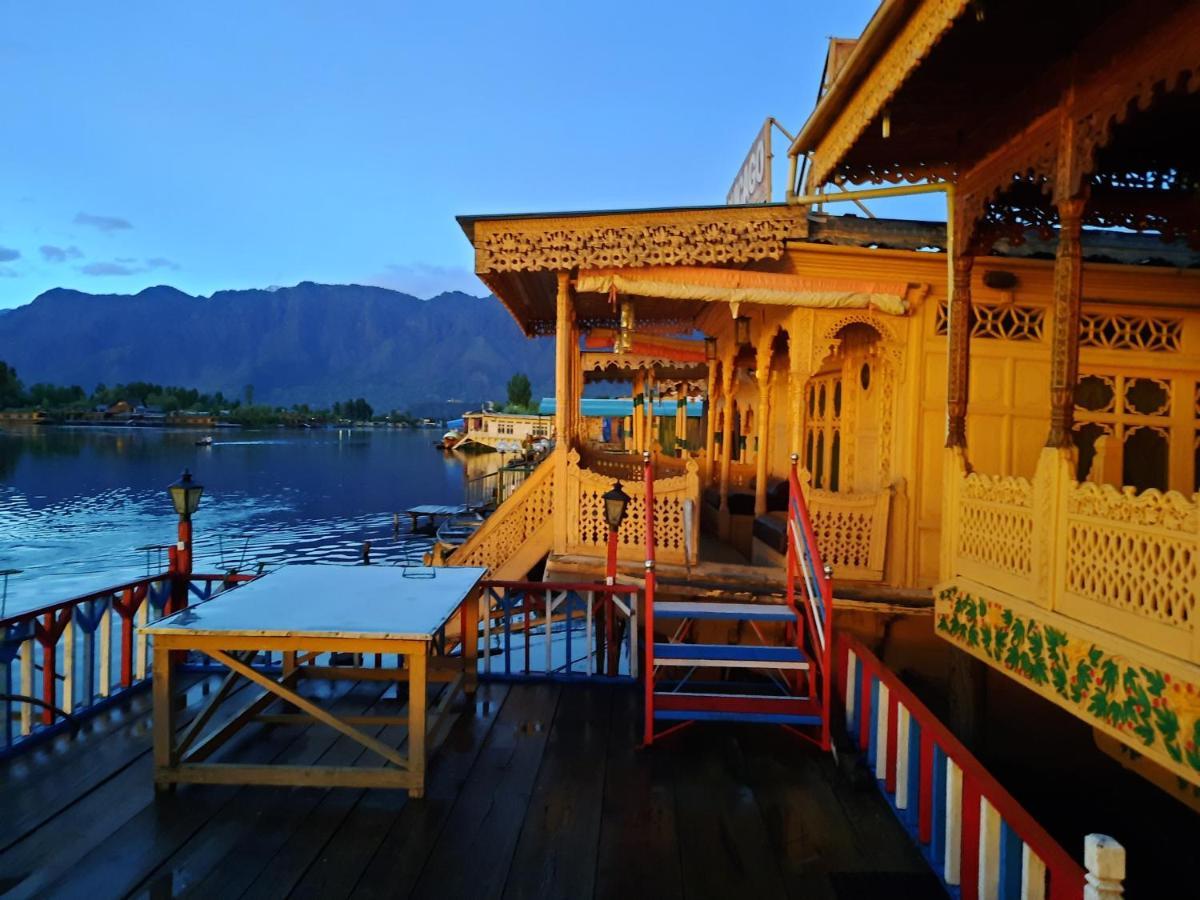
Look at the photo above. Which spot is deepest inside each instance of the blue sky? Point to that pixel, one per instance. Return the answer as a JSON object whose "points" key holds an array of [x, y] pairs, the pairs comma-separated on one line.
{"points": [[226, 145]]}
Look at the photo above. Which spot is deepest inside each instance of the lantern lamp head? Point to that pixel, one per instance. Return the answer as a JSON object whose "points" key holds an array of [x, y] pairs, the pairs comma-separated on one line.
{"points": [[710, 349], [616, 501], [185, 495], [741, 330]]}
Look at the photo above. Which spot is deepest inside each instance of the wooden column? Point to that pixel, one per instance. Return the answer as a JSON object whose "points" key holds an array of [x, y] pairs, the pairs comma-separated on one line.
{"points": [[726, 430], [958, 354], [637, 419], [1064, 348], [564, 321], [710, 423], [562, 361], [762, 375], [681, 419], [650, 412]]}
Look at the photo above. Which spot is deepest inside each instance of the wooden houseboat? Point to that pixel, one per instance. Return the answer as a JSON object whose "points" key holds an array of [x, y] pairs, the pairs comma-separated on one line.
{"points": [[994, 422]]}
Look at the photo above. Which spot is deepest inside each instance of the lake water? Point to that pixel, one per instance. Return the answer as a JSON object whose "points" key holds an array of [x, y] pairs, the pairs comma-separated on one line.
{"points": [[76, 502]]}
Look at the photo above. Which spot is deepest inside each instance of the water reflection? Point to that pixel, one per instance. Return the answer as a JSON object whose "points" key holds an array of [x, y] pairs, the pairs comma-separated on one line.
{"points": [[75, 502]]}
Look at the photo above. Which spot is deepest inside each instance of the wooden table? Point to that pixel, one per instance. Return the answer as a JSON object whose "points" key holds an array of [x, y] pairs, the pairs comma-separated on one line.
{"points": [[306, 612]]}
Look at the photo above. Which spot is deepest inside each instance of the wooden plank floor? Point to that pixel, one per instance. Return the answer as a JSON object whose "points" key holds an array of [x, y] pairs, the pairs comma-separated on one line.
{"points": [[539, 791]]}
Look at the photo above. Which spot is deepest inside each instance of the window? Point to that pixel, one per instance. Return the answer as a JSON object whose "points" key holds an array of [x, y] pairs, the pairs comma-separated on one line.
{"points": [[1123, 430], [822, 431]]}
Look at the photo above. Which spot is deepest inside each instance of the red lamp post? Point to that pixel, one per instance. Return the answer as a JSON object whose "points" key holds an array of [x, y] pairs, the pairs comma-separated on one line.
{"points": [[616, 501], [185, 497]]}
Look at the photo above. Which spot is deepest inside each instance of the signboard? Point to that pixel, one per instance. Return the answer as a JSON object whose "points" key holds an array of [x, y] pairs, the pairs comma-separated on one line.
{"points": [[753, 181]]}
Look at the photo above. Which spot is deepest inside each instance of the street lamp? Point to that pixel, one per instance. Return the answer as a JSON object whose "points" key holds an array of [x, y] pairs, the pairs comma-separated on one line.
{"points": [[616, 501], [185, 497], [741, 331]]}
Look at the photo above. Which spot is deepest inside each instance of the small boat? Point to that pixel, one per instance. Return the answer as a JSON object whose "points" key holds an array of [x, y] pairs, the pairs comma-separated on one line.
{"points": [[449, 439], [205, 441], [455, 531]]}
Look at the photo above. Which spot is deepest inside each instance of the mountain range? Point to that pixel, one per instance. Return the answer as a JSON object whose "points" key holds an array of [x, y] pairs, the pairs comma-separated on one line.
{"points": [[312, 343]]}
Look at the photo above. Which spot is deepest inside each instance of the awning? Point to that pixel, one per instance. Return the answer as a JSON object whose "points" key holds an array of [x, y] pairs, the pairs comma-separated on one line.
{"points": [[741, 286], [622, 407]]}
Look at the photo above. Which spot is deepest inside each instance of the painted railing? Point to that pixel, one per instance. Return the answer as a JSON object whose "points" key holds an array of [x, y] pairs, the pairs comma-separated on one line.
{"points": [[977, 838], [539, 630], [676, 514], [517, 520], [807, 570], [64, 661]]}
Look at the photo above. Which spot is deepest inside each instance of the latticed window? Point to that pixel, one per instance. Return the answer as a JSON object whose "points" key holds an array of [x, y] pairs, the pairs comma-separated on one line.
{"points": [[823, 430], [1123, 429]]}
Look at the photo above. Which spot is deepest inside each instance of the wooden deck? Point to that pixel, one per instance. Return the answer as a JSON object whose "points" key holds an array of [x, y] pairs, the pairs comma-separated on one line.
{"points": [[542, 792]]}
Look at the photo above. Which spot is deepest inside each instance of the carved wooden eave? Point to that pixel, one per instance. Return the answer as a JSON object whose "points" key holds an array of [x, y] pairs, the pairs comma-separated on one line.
{"points": [[898, 38], [516, 256], [607, 366]]}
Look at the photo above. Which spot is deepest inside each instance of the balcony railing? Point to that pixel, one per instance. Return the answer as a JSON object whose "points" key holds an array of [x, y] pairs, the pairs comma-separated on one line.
{"points": [[70, 659], [1125, 562]]}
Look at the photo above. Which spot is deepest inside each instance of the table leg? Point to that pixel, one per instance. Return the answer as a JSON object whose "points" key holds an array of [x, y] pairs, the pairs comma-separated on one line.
{"points": [[416, 721], [470, 642], [164, 715]]}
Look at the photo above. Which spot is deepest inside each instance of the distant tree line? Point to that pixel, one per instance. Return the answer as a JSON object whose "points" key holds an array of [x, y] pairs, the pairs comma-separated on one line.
{"points": [[63, 402]]}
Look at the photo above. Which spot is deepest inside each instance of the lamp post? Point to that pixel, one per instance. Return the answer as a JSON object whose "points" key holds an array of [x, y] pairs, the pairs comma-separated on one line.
{"points": [[185, 497], [616, 502]]}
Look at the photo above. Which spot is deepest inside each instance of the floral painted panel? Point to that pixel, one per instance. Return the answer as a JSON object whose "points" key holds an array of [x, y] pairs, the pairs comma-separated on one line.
{"points": [[1149, 710]]}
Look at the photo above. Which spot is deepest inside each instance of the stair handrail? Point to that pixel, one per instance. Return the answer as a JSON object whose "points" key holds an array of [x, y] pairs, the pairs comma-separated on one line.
{"points": [[804, 558], [543, 471]]}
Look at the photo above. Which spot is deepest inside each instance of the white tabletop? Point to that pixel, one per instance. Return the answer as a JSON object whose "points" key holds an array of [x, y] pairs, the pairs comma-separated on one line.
{"points": [[332, 601]]}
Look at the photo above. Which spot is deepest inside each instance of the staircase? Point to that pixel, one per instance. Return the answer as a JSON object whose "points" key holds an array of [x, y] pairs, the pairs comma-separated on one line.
{"points": [[782, 680]]}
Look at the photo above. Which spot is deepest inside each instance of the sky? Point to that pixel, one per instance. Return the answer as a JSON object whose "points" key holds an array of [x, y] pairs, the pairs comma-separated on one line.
{"points": [[224, 145]]}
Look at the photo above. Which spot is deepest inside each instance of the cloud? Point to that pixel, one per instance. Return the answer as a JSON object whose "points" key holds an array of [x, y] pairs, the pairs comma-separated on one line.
{"points": [[427, 280], [103, 223], [108, 268], [6, 272], [8, 255], [50, 253], [126, 266]]}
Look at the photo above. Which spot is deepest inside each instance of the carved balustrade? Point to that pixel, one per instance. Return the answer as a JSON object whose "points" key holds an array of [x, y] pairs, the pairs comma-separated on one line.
{"points": [[851, 530], [676, 514], [1115, 559]]}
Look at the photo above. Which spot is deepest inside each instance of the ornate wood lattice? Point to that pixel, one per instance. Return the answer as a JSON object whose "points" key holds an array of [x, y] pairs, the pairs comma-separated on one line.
{"points": [[706, 237], [1136, 554], [851, 530], [996, 530], [1110, 331], [1008, 322], [587, 530]]}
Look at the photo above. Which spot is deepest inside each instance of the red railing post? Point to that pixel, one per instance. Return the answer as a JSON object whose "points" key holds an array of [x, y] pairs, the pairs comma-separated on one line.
{"points": [[648, 611], [969, 850], [890, 768], [925, 789]]}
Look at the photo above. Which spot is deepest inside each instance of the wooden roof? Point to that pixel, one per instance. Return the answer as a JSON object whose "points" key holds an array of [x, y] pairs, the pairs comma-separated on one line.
{"points": [[1020, 100]]}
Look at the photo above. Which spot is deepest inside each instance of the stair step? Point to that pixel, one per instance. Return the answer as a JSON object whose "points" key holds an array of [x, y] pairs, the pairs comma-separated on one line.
{"points": [[759, 612], [734, 656], [756, 704]]}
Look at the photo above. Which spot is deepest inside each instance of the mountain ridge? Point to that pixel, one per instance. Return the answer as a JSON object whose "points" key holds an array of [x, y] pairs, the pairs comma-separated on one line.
{"points": [[311, 343]]}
